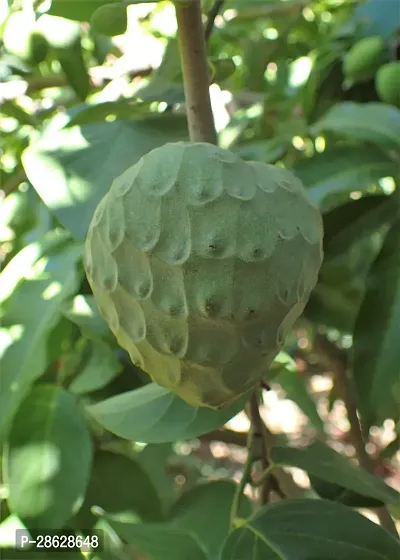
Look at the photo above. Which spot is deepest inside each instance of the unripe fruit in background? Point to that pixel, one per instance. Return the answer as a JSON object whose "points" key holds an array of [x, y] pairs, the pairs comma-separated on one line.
{"points": [[387, 83], [201, 263], [363, 59]]}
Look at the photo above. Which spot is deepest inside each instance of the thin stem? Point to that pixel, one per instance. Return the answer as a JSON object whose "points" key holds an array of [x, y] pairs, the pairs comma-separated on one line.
{"points": [[266, 473], [260, 431], [235, 508], [195, 72], [211, 15], [338, 366]]}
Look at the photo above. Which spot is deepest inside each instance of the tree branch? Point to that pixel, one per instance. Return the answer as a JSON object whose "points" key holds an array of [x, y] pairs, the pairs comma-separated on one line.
{"points": [[211, 15], [337, 363], [260, 433], [283, 478], [195, 72]]}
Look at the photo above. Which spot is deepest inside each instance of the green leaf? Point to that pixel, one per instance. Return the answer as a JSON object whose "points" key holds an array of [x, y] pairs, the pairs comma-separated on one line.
{"points": [[320, 460], [60, 33], [324, 82], [368, 122], [337, 493], [285, 373], [21, 266], [83, 311], [222, 69], [111, 110], [154, 460], [99, 370], [159, 541], [166, 83], [15, 111], [102, 46], [79, 11], [377, 334], [267, 151], [204, 512], [153, 414], [376, 21], [72, 169], [343, 170], [119, 486], [110, 19], [82, 10], [32, 313], [48, 459], [349, 223], [73, 64], [306, 529]]}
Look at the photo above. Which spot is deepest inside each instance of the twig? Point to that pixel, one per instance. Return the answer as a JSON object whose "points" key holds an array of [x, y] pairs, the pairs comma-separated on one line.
{"points": [[260, 432], [211, 15], [37, 83], [268, 481], [338, 365], [195, 72], [235, 508], [14, 182], [284, 479]]}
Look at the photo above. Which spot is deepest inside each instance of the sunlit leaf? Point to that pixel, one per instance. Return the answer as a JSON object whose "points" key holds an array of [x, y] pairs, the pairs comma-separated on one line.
{"points": [[32, 312], [83, 311], [72, 169], [21, 266], [48, 459]]}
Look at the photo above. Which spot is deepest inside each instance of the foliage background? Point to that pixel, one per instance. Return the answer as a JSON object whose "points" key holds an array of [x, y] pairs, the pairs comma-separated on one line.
{"points": [[79, 425]]}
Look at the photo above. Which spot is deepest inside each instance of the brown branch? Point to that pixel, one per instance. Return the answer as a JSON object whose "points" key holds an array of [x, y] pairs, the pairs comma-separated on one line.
{"points": [[211, 15], [226, 436], [260, 434], [37, 83], [336, 360], [195, 72], [284, 479]]}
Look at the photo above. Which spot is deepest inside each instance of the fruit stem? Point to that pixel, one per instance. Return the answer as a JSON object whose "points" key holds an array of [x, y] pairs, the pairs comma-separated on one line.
{"points": [[193, 52]]}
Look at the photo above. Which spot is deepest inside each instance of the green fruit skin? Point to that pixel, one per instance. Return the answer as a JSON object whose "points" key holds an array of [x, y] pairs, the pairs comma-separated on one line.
{"points": [[363, 59], [387, 83], [201, 263]]}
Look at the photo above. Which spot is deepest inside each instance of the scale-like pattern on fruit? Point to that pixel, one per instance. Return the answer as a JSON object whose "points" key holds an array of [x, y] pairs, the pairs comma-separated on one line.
{"points": [[201, 263]]}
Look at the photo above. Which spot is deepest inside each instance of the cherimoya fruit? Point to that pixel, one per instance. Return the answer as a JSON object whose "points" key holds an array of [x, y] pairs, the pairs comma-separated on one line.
{"points": [[201, 263]]}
